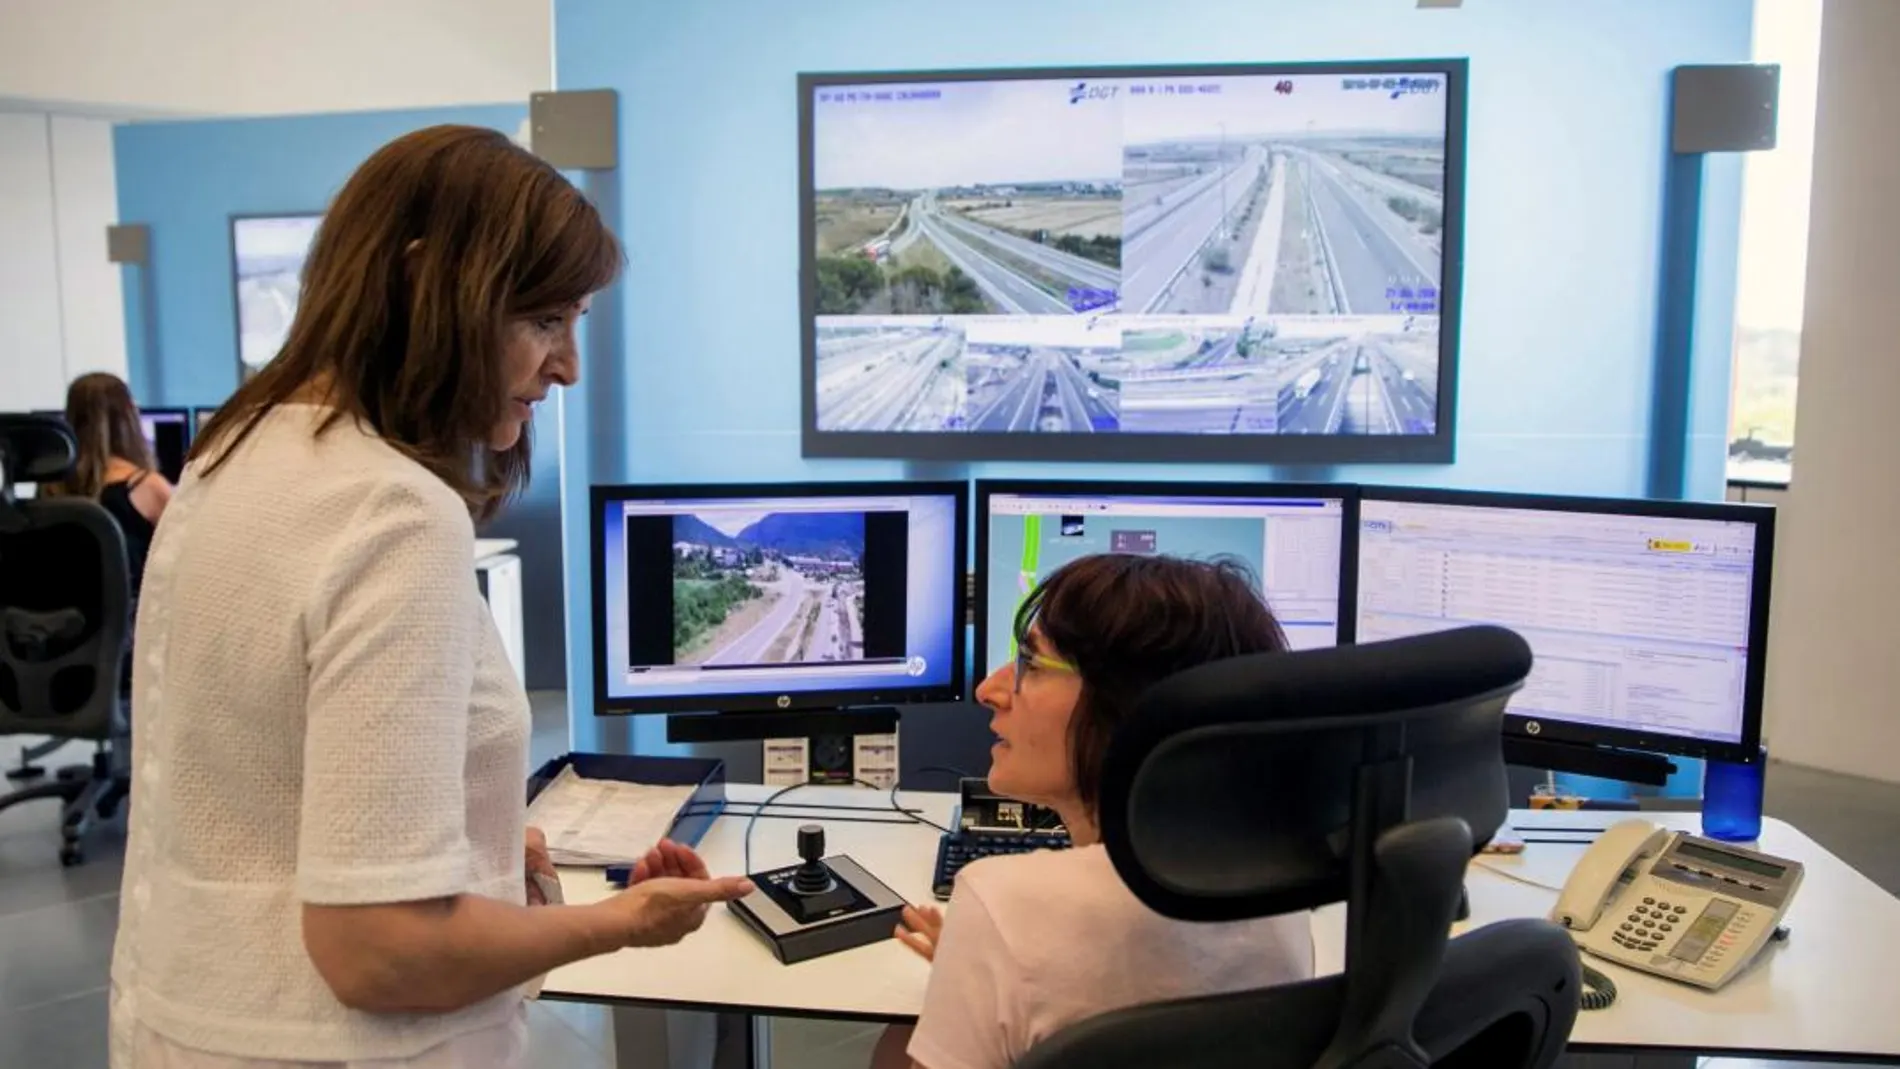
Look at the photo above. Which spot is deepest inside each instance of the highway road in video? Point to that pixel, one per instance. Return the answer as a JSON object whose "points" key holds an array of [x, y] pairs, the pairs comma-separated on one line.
{"points": [[813, 618], [1367, 249], [896, 379], [1359, 386], [1338, 226], [1037, 388], [1017, 275]]}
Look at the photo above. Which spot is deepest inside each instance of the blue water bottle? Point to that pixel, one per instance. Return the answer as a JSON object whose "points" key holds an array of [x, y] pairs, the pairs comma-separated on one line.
{"points": [[1731, 799]]}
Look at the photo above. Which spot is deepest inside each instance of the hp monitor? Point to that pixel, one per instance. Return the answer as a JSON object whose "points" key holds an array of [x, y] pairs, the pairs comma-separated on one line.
{"points": [[1648, 620], [792, 597]]}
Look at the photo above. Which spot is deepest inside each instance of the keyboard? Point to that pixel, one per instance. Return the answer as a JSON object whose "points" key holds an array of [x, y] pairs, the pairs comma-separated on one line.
{"points": [[956, 851]]}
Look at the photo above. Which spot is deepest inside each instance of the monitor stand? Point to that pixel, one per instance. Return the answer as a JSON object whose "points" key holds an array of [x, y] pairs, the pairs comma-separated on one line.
{"points": [[828, 738]]}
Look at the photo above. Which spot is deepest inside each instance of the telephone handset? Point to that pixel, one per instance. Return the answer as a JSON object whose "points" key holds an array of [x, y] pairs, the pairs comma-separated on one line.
{"points": [[1675, 904]]}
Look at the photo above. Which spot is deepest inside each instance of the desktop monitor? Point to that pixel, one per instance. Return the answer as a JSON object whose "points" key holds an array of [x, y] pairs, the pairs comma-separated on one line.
{"points": [[267, 255], [745, 598], [1292, 538], [1249, 262], [1648, 620], [168, 431]]}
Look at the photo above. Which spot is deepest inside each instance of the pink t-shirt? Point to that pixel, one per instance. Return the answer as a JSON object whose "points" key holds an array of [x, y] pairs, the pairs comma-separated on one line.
{"points": [[1038, 941]]}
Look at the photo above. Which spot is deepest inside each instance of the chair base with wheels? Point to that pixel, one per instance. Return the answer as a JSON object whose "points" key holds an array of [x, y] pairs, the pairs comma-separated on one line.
{"points": [[65, 615]]}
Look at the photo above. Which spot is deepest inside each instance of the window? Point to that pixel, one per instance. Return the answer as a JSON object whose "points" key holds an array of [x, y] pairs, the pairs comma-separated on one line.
{"points": [[1774, 252]]}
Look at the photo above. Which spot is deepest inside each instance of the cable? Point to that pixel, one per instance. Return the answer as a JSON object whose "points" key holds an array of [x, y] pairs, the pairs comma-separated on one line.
{"points": [[948, 770], [1515, 878], [917, 818], [1599, 991]]}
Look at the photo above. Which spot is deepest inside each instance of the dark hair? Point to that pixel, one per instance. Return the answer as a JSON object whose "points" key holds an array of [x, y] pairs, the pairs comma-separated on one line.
{"points": [[105, 423], [435, 243], [1127, 622]]}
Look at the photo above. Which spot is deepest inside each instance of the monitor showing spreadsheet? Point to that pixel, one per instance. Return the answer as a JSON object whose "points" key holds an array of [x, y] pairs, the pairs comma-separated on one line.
{"points": [[1647, 620], [1292, 538]]}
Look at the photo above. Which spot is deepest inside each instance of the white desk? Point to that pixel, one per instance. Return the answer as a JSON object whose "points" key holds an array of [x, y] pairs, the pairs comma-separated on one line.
{"points": [[1826, 992]]}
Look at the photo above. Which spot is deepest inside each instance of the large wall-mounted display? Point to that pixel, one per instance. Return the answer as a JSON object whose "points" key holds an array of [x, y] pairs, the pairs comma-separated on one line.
{"points": [[267, 255], [1247, 263]]}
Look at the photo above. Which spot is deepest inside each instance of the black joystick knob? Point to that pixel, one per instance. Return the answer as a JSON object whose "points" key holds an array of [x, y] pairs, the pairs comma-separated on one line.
{"points": [[812, 877]]}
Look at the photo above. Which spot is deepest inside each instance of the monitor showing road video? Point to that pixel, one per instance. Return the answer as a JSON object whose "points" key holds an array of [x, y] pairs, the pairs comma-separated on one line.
{"points": [[1252, 263], [797, 596], [267, 255]]}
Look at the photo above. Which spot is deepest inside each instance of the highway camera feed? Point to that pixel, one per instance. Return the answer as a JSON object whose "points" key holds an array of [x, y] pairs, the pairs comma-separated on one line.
{"points": [[768, 587], [1255, 255]]}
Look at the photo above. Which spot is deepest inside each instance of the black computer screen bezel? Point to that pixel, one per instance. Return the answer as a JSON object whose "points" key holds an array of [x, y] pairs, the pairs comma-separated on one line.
{"points": [[1747, 749], [1345, 493], [186, 419], [1435, 448], [600, 497]]}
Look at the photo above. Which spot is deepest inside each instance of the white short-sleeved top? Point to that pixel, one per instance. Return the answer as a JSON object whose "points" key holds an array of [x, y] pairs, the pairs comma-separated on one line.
{"points": [[322, 713], [1039, 941]]}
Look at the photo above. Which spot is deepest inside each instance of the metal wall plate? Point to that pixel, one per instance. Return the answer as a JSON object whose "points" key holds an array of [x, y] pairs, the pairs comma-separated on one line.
{"points": [[576, 129], [1724, 107]]}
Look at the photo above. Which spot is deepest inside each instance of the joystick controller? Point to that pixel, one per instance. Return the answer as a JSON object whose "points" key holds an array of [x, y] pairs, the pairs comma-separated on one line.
{"points": [[820, 905], [812, 877]]}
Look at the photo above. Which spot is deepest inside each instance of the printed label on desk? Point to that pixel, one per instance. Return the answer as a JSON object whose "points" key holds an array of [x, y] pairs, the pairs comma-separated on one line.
{"points": [[875, 760], [786, 761]]}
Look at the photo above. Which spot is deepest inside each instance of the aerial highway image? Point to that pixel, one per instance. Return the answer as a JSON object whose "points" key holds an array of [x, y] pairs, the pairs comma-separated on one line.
{"points": [[1302, 195], [1042, 375], [1191, 377], [897, 374], [1343, 378], [965, 198], [767, 587]]}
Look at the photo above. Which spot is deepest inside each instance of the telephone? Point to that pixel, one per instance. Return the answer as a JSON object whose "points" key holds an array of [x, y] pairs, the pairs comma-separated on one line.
{"points": [[1674, 904]]}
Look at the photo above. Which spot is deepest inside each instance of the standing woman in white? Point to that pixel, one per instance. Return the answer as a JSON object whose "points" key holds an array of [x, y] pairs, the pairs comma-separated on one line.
{"points": [[327, 858]]}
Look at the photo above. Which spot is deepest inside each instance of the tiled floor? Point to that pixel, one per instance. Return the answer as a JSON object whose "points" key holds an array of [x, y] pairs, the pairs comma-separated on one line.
{"points": [[56, 927]]}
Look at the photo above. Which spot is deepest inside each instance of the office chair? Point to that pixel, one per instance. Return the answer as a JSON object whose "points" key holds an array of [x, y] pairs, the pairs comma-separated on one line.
{"points": [[64, 618], [1276, 783]]}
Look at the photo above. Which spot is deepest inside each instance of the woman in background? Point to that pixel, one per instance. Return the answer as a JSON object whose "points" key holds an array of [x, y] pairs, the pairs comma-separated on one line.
{"points": [[115, 466]]}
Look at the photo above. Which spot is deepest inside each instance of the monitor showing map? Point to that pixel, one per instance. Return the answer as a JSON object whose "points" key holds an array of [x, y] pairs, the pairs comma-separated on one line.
{"points": [[1289, 538]]}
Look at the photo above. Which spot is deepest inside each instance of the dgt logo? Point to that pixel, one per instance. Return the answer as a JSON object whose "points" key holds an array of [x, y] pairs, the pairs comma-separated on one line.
{"points": [[1081, 91]]}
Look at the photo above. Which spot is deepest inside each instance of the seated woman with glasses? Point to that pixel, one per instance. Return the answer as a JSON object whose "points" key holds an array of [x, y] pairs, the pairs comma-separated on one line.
{"points": [[1035, 942]]}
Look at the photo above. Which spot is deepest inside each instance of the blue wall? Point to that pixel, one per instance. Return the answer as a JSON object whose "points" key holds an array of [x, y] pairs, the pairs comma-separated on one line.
{"points": [[694, 373], [185, 180]]}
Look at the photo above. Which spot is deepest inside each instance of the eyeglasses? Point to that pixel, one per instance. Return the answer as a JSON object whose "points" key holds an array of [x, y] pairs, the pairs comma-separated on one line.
{"points": [[1027, 659]]}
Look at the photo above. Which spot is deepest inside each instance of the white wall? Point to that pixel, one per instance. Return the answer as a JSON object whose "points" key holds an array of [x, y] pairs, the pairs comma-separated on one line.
{"points": [[245, 57], [61, 307], [1834, 648], [32, 358]]}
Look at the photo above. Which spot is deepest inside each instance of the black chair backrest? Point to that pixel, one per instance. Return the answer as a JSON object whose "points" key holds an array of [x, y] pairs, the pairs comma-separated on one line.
{"points": [[1231, 792], [1277, 783], [64, 595], [1506, 998]]}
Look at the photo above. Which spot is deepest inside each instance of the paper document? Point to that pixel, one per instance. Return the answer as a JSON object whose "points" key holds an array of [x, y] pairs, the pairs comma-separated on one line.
{"points": [[603, 821]]}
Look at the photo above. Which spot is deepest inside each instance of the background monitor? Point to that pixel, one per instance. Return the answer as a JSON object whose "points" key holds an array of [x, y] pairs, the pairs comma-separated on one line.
{"points": [[168, 431], [1293, 538], [267, 255], [1648, 619], [1256, 262], [800, 596]]}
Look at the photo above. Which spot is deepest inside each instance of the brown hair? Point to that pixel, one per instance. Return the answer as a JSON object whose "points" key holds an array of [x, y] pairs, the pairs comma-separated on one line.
{"points": [[106, 424], [435, 243], [1127, 622]]}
